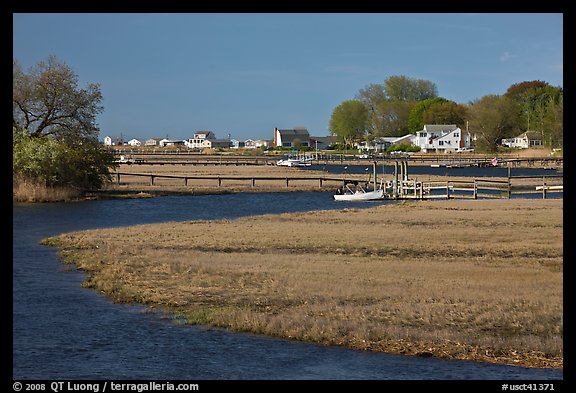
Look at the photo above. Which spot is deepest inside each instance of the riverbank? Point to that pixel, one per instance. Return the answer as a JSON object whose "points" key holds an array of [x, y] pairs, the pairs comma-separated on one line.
{"points": [[458, 279]]}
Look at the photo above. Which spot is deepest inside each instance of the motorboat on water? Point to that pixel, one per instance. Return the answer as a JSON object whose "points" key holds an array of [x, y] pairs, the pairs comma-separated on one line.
{"points": [[353, 191], [295, 161]]}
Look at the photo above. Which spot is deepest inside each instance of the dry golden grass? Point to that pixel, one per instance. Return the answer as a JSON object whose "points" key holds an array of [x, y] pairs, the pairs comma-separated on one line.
{"points": [[31, 191], [462, 279]]}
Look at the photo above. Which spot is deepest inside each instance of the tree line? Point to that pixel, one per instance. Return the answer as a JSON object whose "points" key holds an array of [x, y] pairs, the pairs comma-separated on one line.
{"points": [[402, 105]]}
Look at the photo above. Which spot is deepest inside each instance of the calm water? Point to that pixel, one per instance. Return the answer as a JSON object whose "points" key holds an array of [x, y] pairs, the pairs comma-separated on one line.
{"points": [[415, 170], [62, 331]]}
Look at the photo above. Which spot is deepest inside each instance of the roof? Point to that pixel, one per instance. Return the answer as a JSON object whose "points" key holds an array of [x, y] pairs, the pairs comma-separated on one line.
{"points": [[439, 127], [290, 135], [531, 135], [325, 139]]}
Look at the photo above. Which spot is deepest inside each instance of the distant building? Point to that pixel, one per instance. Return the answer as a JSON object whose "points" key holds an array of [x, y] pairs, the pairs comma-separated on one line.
{"points": [[153, 142], [201, 140], [113, 140], [236, 144], [381, 143], [441, 138], [291, 138], [255, 143], [525, 140], [170, 142], [134, 142], [323, 142], [216, 143]]}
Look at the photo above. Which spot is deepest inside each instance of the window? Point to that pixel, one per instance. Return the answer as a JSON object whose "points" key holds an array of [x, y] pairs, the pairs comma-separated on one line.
{"points": [[441, 143]]}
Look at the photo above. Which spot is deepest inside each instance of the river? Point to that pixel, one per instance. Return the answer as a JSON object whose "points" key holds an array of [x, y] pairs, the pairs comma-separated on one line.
{"points": [[63, 331]]}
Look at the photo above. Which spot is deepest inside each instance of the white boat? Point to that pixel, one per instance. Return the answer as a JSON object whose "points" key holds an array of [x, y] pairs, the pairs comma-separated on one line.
{"points": [[550, 188], [295, 161], [358, 193]]}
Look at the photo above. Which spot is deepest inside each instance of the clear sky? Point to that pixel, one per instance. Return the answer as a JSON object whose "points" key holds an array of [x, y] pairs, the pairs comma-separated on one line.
{"points": [[244, 74]]}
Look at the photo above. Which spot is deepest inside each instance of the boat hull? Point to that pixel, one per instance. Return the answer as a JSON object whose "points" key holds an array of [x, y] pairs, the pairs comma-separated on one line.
{"points": [[361, 196]]}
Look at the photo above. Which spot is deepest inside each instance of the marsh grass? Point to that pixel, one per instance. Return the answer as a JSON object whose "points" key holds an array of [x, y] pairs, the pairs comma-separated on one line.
{"points": [[31, 191], [462, 279]]}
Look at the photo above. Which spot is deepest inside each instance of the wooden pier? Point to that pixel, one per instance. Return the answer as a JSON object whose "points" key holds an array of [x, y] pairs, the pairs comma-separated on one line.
{"points": [[402, 187], [219, 180]]}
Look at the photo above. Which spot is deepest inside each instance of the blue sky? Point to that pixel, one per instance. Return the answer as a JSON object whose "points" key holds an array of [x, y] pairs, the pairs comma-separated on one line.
{"points": [[244, 74]]}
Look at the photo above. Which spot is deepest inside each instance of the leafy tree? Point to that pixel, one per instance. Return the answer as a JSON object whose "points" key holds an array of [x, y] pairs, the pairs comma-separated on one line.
{"points": [[532, 100], [349, 121], [392, 118], [54, 128], [491, 119], [553, 123], [416, 117], [81, 163], [445, 112], [388, 103], [372, 95], [516, 91], [402, 88], [539, 106], [47, 101]]}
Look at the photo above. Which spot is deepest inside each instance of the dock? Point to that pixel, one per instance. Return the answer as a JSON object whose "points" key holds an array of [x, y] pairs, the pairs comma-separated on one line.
{"points": [[402, 187]]}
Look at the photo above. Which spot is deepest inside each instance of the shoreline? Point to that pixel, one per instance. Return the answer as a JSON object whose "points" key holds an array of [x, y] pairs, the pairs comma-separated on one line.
{"points": [[255, 280]]}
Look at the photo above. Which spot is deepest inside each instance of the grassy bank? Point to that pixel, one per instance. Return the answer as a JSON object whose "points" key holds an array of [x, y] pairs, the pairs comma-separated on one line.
{"points": [[31, 191], [459, 279]]}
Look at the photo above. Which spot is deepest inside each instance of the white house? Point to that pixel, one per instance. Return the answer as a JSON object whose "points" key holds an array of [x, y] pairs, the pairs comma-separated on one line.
{"points": [[262, 143], [255, 143], [113, 140], [153, 142], [216, 143], [441, 138], [380, 144], [291, 138], [323, 142], [170, 142], [236, 144], [524, 141], [201, 140], [134, 142]]}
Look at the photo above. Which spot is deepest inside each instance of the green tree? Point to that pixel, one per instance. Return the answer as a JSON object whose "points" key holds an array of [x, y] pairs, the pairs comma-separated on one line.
{"points": [[54, 128], [47, 101], [446, 112], [82, 163], [553, 123], [392, 118], [416, 116], [403, 88], [372, 95], [532, 99], [389, 103], [349, 121], [491, 119]]}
